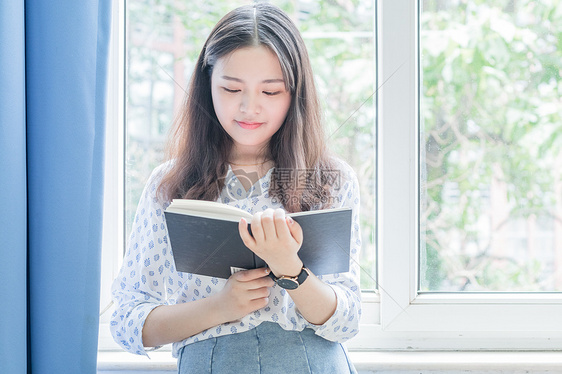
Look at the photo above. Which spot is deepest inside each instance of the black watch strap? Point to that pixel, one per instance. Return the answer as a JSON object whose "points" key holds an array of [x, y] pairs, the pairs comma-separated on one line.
{"points": [[303, 275], [290, 283]]}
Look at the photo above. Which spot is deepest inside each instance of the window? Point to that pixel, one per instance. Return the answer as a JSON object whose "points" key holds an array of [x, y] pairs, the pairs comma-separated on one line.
{"points": [[421, 307], [464, 99], [489, 147], [164, 39]]}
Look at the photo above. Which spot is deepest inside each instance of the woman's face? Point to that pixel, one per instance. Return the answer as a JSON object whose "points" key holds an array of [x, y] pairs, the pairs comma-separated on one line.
{"points": [[249, 97]]}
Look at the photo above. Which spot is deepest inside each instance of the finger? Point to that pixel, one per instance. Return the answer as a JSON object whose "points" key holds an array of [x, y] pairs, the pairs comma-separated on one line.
{"points": [[281, 225], [295, 229], [258, 293], [247, 238], [250, 275], [263, 282], [268, 225], [259, 303], [257, 230]]}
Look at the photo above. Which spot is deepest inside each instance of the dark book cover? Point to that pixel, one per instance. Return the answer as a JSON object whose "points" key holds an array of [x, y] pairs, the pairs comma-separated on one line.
{"points": [[213, 247]]}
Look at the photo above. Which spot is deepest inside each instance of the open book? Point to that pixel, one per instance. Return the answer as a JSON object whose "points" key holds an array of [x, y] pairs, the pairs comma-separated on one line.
{"points": [[205, 239]]}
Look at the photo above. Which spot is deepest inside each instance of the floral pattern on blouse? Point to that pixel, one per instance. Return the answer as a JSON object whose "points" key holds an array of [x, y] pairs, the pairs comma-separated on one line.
{"points": [[148, 277]]}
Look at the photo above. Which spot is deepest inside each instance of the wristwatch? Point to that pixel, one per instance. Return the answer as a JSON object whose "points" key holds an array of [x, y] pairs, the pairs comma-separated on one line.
{"points": [[290, 283]]}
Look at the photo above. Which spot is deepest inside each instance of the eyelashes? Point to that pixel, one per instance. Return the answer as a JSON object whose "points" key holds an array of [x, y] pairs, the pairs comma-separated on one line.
{"points": [[267, 93]]}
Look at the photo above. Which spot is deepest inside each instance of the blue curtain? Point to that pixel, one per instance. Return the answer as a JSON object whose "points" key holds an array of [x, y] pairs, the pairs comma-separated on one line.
{"points": [[53, 70]]}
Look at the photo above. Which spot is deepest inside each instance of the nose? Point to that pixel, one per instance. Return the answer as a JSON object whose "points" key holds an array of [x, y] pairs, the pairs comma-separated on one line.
{"points": [[250, 103]]}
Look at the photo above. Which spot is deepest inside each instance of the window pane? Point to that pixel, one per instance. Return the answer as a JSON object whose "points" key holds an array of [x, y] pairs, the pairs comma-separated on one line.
{"points": [[491, 145], [164, 39]]}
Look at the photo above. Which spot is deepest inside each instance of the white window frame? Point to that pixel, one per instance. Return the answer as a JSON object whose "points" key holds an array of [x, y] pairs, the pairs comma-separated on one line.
{"points": [[113, 240], [438, 321], [398, 317]]}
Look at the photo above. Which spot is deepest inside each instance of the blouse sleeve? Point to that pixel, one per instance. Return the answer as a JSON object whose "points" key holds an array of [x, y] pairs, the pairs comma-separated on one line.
{"points": [[344, 323], [147, 275]]}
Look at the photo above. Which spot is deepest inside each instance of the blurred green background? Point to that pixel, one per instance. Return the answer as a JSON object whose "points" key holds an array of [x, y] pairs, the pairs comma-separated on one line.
{"points": [[491, 142], [490, 124]]}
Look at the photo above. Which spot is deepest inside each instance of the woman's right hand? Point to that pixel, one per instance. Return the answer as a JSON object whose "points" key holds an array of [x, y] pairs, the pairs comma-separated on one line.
{"points": [[245, 292]]}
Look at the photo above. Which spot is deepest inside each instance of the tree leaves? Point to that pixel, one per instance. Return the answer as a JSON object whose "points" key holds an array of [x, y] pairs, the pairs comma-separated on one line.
{"points": [[491, 100]]}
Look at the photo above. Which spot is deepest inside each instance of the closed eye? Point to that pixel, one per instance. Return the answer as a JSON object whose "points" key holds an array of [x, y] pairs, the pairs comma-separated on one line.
{"points": [[229, 90], [271, 93]]}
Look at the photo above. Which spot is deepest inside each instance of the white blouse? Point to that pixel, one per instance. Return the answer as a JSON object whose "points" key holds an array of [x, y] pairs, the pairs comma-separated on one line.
{"points": [[148, 277]]}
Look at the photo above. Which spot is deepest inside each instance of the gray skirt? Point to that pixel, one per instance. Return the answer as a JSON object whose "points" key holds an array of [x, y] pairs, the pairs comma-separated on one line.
{"points": [[265, 349]]}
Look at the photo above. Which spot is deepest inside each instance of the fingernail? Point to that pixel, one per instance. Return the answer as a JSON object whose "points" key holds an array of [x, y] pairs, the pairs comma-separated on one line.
{"points": [[266, 270], [290, 220]]}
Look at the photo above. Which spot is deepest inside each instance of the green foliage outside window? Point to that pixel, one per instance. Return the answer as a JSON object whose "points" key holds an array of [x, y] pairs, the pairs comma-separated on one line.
{"points": [[491, 144], [490, 113]]}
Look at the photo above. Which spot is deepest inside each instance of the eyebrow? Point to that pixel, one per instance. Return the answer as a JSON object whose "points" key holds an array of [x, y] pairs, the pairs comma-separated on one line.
{"points": [[264, 81]]}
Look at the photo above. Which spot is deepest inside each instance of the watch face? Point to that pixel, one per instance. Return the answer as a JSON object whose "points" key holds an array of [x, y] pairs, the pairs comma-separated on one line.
{"points": [[288, 284]]}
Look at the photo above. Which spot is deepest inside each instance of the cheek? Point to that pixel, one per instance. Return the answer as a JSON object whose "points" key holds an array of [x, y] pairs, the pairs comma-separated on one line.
{"points": [[223, 108], [283, 108], [216, 101]]}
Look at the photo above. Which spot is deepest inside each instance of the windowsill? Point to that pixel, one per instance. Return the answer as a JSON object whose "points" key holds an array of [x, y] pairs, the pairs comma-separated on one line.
{"points": [[370, 361], [115, 361]]}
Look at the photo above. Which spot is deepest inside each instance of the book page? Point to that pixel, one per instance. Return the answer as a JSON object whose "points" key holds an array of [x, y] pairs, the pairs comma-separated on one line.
{"points": [[209, 209]]}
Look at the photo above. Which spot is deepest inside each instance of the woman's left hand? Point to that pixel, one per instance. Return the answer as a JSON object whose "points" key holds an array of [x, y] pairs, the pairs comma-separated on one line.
{"points": [[276, 239]]}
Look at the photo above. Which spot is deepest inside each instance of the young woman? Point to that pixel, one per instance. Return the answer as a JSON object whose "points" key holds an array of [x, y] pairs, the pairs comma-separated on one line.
{"points": [[249, 135]]}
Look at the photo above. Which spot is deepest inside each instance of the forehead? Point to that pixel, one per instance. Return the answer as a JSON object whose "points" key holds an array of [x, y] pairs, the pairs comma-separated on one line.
{"points": [[249, 64]]}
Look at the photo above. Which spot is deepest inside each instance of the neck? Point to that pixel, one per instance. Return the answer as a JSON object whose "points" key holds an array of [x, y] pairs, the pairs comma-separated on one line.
{"points": [[248, 157], [248, 164]]}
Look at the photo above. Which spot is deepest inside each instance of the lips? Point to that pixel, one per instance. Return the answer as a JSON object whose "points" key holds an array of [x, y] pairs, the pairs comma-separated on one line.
{"points": [[249, 125]]}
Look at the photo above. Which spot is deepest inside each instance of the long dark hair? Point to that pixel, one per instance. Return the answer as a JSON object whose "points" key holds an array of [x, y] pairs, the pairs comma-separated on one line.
{"points": [[198, 145]]}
